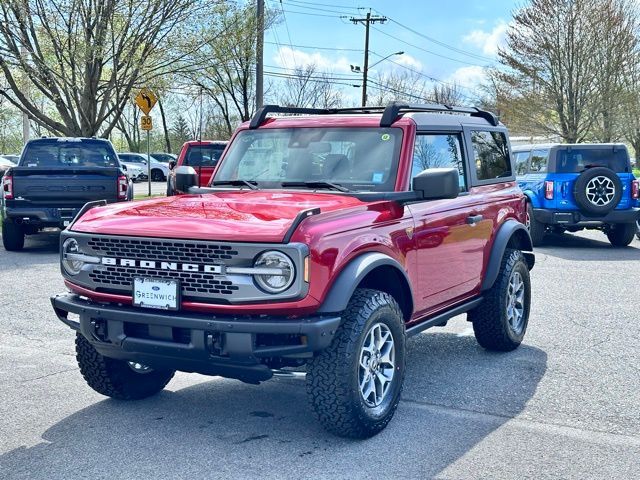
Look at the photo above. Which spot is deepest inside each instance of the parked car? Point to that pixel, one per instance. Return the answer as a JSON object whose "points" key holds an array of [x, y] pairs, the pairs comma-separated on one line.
{"points": [[324, 241], [159, 170], [203, 156], [6, 162], [164, 157], [137, 172], [571, 187], [54, 179]]}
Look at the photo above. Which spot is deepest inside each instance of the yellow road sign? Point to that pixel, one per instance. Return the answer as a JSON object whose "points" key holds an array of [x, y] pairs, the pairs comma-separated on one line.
{"points": [[146, 123], [146, 99]]}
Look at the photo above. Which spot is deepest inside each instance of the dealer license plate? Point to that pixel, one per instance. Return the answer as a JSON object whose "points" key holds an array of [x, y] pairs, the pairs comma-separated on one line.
{"points": [[155, 293]]}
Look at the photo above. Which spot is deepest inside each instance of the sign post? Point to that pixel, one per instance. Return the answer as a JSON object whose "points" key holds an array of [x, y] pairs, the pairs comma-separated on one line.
{"points": [[145, 100]]}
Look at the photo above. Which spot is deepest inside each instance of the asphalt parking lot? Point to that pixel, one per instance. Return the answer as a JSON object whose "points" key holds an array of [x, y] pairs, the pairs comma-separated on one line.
{"points": [[564, 405]]}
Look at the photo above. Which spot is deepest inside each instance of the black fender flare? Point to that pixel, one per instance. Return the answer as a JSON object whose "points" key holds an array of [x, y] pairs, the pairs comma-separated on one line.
{"points": [[352, 275], [505, 233]]}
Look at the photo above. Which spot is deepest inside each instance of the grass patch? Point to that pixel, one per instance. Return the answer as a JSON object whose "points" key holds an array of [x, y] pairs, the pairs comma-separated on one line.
{"points": [[143, 196]]}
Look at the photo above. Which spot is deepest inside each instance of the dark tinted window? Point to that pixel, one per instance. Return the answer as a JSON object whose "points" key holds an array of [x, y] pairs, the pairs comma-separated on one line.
{"points": [[491, 155], [205, 156], [69, 153], [522, 159], [539, 160], [129, 158], [162, 157], [577, 159], [438, 151]]}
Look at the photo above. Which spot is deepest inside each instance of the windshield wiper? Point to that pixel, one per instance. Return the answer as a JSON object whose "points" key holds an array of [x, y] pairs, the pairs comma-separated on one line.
{"points": [[252, 184], [317, 184]]}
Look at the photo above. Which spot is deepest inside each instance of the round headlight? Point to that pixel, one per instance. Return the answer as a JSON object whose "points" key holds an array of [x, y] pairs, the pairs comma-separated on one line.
{"points": [[281, 275], [71, 265]]}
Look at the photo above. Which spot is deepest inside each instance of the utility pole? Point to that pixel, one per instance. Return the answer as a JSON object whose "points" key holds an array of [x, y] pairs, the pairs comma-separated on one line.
{"points": [[366, 22], [260, 54]]}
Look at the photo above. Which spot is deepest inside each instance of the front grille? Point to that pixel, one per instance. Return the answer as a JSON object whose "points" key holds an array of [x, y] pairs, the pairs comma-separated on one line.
{"points": [[192, 283], [162, 250]]}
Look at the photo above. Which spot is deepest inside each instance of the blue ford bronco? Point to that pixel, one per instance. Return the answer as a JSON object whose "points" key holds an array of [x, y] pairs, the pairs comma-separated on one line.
{"points": [[571, 187]]}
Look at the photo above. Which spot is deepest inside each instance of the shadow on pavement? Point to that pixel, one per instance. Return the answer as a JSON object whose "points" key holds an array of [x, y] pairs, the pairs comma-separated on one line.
{"points": [[223, 428], [581, 248]]}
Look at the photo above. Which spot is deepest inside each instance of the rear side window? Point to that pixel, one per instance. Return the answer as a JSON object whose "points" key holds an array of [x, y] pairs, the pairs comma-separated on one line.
{"points": [[539, 161], [69, 153], [203, 156], [491, 154], [578, 159], [522, 159], [438, 151]]}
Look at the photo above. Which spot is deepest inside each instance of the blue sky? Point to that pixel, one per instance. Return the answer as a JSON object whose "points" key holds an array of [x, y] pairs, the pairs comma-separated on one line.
{"points": [[472, 27]]}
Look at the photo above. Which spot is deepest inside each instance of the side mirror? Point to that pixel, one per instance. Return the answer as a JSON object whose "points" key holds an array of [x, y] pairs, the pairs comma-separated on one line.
{"points": [[186, 177], [172, 164], [437, 183]]}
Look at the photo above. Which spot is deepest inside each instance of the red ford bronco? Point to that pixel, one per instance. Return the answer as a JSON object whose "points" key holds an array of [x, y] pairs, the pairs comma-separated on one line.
{"points": [[323, 241]]}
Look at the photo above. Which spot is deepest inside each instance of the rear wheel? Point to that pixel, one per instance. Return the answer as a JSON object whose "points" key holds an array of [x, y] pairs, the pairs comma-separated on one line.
{"points": [[536, 228], [354, 384], [501, 320], [118, 378], [621, 234], [12, 236]]}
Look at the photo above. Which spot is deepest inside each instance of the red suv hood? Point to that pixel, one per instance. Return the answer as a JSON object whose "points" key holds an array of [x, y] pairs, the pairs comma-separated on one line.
{"points": [[248, 216]]}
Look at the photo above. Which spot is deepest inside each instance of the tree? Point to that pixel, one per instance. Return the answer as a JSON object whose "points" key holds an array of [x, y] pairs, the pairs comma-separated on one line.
{"points": [[180, 130], [306, 87], [84, 57], [555, 53], [446, 94], [403, 85]]}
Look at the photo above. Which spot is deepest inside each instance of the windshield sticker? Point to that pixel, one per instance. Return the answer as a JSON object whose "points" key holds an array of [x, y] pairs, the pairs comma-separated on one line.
{"points": [[385, 137], [377, 177]]}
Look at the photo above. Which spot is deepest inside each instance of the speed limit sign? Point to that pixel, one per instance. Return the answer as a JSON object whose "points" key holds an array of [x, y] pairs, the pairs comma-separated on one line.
{"points": [[146, 123]]}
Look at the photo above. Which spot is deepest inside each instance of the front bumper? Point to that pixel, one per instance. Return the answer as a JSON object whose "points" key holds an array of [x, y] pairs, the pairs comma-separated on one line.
{"points": [[233, 347], [576, 218]]}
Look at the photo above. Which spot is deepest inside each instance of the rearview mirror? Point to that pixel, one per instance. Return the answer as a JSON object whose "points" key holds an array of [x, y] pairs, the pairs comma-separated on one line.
{"points": [[186, 177], [437, 183]]}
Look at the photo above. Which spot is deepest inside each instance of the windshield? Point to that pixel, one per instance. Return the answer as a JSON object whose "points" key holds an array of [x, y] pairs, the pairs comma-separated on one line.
{"points": [[576, 160], [69, 153], [361, 159], [203, 155]]}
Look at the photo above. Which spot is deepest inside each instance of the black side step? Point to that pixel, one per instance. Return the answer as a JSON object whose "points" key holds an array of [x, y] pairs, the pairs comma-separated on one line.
{"points": [[442, 318]]}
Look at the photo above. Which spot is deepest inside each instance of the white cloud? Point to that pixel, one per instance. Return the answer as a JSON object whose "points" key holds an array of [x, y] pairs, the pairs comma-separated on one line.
{"points": [[408, 61], [468, 77], [488, 42], [290, 58]]}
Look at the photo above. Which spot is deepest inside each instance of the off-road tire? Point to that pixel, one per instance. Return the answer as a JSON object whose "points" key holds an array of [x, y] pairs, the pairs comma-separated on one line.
{"points": [[621, 234], [490, 323], [12, 236], [580, 193], [333, 375], [115, 378], [537, 229], [157, 175]]}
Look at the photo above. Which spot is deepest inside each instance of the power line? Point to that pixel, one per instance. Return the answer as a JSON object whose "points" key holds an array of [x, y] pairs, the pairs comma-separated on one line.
{"points": [[313, 47], [366, 21]]}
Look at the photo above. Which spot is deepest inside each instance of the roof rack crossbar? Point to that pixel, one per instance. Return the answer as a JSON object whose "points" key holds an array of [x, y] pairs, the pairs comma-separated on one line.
{"points": [[390, 113]]}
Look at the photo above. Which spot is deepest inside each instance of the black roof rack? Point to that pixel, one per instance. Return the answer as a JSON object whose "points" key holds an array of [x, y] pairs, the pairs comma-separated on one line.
{"points": [[390, 113]]}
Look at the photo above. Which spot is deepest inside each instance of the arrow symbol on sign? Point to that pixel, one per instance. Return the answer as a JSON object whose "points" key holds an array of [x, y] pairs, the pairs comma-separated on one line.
{"points": [[147, 98]]}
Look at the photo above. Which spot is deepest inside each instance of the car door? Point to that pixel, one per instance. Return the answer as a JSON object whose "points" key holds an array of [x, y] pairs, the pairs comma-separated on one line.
{"points": [[449, 235]]}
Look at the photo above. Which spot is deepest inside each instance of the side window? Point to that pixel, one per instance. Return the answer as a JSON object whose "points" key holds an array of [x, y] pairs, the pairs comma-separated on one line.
{"points": [[439, 151], [539, 160], [491, 154], [522, 159]]}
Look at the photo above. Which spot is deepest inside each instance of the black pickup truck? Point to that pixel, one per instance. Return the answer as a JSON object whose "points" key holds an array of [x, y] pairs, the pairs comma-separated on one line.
{"points": [[54, 178]]}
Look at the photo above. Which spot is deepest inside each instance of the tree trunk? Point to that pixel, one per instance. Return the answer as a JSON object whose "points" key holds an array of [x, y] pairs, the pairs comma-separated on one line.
{"points": [[167, 140]]}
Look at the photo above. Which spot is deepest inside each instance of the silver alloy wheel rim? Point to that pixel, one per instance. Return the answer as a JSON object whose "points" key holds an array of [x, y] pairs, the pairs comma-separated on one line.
{"points": [[600, 190], [139, 367], [527, 220], [515, 302], [377, 364]]}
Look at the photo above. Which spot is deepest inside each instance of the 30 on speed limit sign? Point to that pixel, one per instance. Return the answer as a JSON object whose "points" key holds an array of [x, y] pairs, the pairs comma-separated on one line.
{"points": [[146, 123]]}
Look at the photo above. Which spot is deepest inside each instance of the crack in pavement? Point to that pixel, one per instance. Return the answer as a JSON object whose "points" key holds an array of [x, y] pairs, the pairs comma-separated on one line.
{"points": [[50, 375]]}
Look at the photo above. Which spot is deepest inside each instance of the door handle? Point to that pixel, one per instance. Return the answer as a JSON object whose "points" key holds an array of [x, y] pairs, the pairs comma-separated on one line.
{"points": [[473, 219]]}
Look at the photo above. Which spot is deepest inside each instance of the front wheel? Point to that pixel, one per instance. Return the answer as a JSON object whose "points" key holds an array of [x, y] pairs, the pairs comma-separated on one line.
{"points": [[354, 385], [157, 176], [621, 234], [501, 320], [118, 378]]}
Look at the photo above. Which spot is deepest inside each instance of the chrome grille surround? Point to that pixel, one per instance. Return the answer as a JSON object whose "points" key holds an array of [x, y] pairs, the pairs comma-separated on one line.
{"points": [[198, 286]]}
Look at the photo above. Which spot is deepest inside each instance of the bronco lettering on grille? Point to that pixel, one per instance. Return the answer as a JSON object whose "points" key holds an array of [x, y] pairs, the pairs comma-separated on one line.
{"points": [[153, 265]]}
